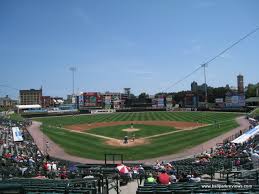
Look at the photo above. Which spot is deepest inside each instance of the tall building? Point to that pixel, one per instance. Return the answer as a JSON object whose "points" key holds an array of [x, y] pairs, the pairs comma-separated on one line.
{"points": [[46, 101], [194, 87], [127, 91], [240, 84], [30, 97]]}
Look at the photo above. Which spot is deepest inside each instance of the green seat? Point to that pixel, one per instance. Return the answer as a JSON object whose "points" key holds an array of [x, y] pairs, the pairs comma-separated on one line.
{"points": [[164, 192], [184, 191], [201, 191], [145, 192]]}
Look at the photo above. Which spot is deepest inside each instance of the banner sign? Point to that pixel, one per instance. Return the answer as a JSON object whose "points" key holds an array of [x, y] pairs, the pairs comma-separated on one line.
{"points": [[235, 101], [219, 100], [17, 135]]}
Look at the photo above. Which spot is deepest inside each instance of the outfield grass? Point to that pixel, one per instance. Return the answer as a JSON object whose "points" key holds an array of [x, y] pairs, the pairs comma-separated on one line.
{"points": [[118, 133], [202, 117], [87, 146]]}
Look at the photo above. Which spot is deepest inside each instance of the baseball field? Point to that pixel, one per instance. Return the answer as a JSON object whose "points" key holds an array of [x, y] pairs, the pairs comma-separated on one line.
{"points": [[149, 134]]}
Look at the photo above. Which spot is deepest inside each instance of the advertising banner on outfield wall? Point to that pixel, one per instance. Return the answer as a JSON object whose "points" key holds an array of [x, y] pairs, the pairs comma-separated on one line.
{"points": [[169, 102], [169, 99], [235, 101], [108, 99], [219, 100], [108, 102], [160, 102], [81, 100], [90, 99]]}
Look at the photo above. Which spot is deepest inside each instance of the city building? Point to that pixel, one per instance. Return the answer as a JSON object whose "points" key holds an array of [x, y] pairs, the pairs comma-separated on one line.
{"points": [[30, 97], [240, 84], [46, 101], [127, 92], [6, 102], [194, 87]]}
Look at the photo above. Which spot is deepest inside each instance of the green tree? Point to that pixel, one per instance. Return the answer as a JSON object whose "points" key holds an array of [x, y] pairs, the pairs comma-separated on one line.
{"points": [[142, 97], [251, 90]]}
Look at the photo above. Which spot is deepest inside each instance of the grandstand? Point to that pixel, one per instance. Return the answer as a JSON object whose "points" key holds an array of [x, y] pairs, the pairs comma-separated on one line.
{"points": [[229, 167]]}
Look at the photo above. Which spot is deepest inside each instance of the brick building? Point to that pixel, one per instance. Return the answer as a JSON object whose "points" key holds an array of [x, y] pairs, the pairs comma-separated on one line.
{"points": [[30, 97]]}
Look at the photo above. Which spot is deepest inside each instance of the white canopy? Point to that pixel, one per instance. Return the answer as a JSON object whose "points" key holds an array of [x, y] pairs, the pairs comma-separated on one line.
{"points": [[247, 135], [28, 106]]}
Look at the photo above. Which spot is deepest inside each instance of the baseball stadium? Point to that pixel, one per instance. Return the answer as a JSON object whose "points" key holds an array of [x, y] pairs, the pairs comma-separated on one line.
{"points": [[129, 97], [122, 153]]}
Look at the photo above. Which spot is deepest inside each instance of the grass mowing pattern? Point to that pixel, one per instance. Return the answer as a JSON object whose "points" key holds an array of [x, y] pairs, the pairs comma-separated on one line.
{"points": [[116, 131], [87, 146], [202, 117]]}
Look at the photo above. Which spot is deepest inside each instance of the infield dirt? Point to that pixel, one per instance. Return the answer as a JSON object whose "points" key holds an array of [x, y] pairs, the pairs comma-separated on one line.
{"points": [[138, 141]]}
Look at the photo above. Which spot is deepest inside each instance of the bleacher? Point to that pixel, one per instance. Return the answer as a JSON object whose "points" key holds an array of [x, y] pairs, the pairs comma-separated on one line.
{"points": [[47, 186], [194, 188], [218, 167]]}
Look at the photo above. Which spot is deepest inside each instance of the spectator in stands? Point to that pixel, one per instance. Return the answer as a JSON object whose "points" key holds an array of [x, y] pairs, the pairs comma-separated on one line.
{"points": [[151, 179], [163, 178], [141, 173], [183, 178], [195, 178], [173, 178], [157, 165]]}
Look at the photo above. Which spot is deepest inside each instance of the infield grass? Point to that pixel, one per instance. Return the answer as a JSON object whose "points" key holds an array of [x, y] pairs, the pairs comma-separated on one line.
{"points": [[118, 133]]}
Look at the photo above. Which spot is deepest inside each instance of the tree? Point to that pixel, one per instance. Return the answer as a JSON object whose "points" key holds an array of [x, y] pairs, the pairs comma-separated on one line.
{"points": [[251, 90], [142, 97]]}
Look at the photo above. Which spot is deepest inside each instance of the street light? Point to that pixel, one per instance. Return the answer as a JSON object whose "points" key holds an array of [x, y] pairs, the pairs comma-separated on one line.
{"points": [[205, 83]]}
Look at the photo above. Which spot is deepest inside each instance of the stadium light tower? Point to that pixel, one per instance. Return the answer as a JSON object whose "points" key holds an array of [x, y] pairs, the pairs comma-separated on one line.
{"points": [[73, 69], [205, 83]]}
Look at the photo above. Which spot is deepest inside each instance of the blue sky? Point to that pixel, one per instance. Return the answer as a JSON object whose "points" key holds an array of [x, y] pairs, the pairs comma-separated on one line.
{"points": [[143, 44]]}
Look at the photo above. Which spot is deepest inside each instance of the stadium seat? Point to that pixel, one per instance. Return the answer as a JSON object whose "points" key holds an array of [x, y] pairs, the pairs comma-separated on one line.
{"points": [[145, 192], [202, 191], [163, 192]]}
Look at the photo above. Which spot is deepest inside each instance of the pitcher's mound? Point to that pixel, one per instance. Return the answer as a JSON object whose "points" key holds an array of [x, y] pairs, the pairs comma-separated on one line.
{"points": [[119, 143], [130, 129]]}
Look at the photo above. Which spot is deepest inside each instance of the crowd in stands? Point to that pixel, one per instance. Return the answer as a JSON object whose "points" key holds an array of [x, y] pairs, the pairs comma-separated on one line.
{"points": [[24, 159]]}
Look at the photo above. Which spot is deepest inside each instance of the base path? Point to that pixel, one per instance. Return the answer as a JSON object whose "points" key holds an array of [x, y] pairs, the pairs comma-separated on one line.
{"points": [[58, 152]]}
